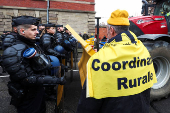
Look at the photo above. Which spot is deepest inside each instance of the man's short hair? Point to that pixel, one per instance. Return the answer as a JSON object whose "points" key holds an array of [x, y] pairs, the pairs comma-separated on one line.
{"points": [[119, 28], [25, 26]]}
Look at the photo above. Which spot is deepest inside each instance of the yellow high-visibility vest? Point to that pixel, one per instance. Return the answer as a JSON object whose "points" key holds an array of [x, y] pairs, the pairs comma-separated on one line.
{"points": [[120, 69]]}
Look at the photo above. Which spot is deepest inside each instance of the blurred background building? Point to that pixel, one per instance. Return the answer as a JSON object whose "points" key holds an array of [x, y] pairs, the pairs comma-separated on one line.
{"points": [[79, 14]]}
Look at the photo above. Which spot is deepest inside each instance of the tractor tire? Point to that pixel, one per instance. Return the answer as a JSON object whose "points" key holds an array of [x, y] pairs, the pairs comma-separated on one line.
{"points": [[160, 53]]}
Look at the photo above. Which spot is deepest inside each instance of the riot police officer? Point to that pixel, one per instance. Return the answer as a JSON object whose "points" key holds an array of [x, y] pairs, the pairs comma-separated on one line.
{"points": [[47, 41], [59, 35], [8, 38], [59, 30], [66, 35], [26, 63], [62, 36], [41, 27]]}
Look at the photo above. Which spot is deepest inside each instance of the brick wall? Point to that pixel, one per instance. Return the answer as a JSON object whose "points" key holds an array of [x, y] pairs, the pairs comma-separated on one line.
{"points": [[83, 5], [79, 14], [102, 32], [84, 0], [71, 6]]}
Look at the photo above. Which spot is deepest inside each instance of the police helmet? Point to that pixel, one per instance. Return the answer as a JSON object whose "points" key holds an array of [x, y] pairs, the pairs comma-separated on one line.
{"points": [[29, 53], [72, 39], [73, 42], [55, 63], [39, 62], [60, 49], [67, 45]]}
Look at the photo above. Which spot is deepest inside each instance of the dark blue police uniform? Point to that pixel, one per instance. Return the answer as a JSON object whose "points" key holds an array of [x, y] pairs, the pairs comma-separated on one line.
{"points": [[27, 76]]}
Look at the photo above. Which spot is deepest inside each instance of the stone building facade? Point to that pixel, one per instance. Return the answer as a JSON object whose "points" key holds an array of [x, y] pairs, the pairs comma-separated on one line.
{"points": [[79, 14]]}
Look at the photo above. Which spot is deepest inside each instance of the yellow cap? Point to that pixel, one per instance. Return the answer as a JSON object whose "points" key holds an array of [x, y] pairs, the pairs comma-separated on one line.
{"points": [[91, 33], [119, 17]]}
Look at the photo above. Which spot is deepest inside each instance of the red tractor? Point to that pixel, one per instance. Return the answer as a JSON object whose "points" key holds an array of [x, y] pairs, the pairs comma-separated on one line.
{"points": [[154, 32]]}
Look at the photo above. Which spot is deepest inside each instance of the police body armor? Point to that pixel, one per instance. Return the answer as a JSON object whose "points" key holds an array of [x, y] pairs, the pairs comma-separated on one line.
{"points": [[66, 36], [22, 73], [8, 41], [63, 40], [3, 37], [46, 43], [58, 35], [72, 41], [59, 38]]}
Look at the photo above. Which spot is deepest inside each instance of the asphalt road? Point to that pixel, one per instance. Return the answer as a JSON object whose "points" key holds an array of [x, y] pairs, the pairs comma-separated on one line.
{"points": [[71, 96], [72, 93], [72, 90]]}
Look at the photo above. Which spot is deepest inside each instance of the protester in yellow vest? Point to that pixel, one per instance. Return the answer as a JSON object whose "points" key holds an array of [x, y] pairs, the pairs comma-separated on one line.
{"points": [[119, 75]]}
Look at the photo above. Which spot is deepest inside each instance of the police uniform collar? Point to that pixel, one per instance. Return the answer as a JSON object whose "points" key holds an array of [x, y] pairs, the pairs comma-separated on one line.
{"points": [[26, 40]]}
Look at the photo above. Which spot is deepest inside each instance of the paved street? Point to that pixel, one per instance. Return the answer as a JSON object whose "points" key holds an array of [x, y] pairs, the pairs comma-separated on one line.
{"points": [[71, 98], [72, 91]]}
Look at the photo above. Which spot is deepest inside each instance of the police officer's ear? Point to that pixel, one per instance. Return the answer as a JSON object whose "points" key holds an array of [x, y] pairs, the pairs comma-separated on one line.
{"points": [[22, 31]]}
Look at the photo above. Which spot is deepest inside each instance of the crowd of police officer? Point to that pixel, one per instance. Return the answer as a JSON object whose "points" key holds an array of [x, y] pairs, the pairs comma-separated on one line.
{"points": [[32, 56]]}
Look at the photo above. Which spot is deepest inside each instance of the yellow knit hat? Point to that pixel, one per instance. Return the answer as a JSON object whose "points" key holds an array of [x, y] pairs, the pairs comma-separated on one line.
{"points": [[119, 17]]}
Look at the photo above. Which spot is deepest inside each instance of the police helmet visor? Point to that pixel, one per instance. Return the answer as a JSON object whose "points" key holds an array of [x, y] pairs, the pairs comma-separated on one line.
{"points": [[40, 62]]}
